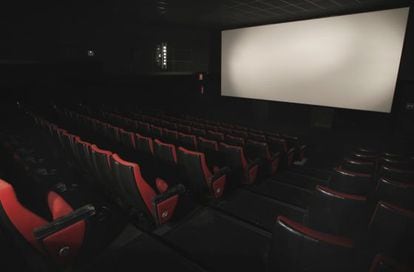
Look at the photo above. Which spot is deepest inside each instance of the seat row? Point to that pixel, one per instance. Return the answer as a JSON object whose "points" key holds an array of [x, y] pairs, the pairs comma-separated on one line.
{"points": [[352, 209], [243, 160], [264, 148], [152, 199], [384, 188], [398, 164], [159, 128], [227, 128], [292, 241]]}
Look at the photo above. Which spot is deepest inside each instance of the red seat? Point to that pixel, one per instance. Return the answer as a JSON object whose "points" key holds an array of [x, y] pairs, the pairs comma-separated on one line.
{"points": [[127, 139], [201, 177], [165, 152], [188, 141], [351, 182], [358, 166], [297, 248], [257, 137], [102, 171], [184, 128], [143, 128], [261, 150], [144, 144], [213, 135], [243, 169], [239, 133], [61, 238], [156, 132], [399, 193], [170, 136], [234, 140], [198, 131], [390, 231], [277, 144], [140, 196], [396, 174], [337, 213]]}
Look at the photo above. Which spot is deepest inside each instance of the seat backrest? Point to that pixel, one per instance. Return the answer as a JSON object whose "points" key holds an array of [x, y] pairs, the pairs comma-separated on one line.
{"points": [[144, 144], [391, 231], [239, 133], [198, 131], [277, 144], [135, 190], [143, 127], [366, 150], [113, 133], [235, 158], [297, 248], [69, 143], [156, 132], [358, 166], [257, 137], [258, 149], [396, 174], [394, 192], [351, 182], [100, 127], [166, 124], [207, 145], [84, 154], [129, 123], [213, 135], [127, 138], [233, 140], [337, 213], [60, 132], [211, 127], [184, 128], [399, 163], [195, 169], [224, 130], [364, 157], [102, 169], [170, 136], [187, 141], [393, 154], [165, 152]]}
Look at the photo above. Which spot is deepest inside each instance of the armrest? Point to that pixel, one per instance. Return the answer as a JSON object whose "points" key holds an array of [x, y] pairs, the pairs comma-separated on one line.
{"points": [[165, 204], [252, 170], [218, 181], [63, 238], [275, 159], [80, 214], [222, 171], [275, 156], [175, 190], [253, 163]]}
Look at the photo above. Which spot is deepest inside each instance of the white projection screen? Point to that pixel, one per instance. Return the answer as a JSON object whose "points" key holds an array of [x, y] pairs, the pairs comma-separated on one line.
{"points": [[348, 61]]}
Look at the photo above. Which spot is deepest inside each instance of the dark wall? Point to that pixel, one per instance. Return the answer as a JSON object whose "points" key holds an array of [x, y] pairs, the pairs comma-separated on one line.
{"points": [[124, 43], [46, 46], [123, 70]]}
